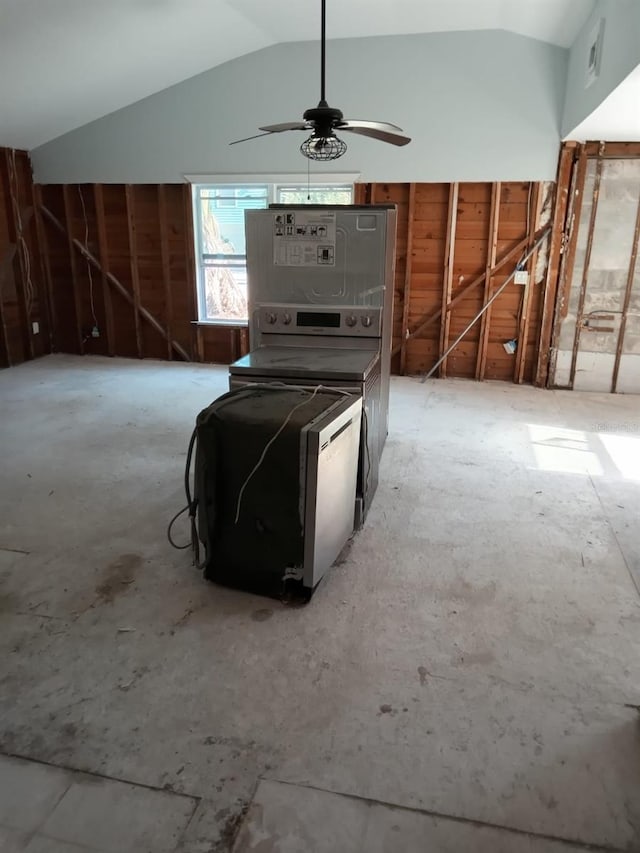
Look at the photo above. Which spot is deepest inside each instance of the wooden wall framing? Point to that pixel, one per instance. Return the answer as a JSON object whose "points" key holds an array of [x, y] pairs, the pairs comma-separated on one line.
{"points": [[457, 243], [567, 258], [23, 286], [116, 274], [121, 261]]}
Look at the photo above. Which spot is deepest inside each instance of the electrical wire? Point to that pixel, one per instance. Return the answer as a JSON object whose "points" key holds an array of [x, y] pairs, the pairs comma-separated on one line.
{"points": [[268, 445], [365, 418], [86, 245], [191, 504]]}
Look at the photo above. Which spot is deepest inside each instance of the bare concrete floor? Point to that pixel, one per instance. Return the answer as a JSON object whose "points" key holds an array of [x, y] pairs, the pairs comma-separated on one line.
{"points": [[473, 663]]}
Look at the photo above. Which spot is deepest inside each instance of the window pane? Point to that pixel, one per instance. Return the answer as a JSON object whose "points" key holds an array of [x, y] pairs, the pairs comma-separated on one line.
{"points": [[222, 249], [221, 240], [222, 217], [225, 293], [315, 195]]}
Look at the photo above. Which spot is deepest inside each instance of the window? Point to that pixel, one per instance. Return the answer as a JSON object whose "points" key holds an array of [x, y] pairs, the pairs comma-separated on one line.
{"points": [[220, 241], [314, 195], [222, 255]]}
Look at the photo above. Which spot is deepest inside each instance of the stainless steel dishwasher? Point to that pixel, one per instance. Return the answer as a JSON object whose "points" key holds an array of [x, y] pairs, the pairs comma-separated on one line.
{"points": [[276, 471]]}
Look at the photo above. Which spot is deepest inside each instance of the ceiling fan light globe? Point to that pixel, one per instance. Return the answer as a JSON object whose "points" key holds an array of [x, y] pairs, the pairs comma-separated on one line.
{"points": [[323, 148]]}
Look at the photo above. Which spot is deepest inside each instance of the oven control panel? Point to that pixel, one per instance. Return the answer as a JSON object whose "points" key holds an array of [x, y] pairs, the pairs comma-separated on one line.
{"points": [[318, 320]]}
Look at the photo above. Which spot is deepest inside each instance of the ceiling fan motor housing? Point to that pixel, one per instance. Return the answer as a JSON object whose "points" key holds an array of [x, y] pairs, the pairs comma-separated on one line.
{"points": [[324, 119]]}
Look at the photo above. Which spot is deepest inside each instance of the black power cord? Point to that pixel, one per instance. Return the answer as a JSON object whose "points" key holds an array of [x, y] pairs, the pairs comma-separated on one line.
{"points": [[191, 503]]}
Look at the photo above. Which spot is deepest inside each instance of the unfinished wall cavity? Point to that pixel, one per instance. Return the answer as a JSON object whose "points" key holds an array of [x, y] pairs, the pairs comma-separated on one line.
{"points": [[121, 261], [458, 244], [597, 330], [24, 315]]}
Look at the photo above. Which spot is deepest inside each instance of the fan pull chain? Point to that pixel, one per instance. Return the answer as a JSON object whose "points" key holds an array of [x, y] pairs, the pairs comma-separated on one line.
{"points": [[308, 179]]}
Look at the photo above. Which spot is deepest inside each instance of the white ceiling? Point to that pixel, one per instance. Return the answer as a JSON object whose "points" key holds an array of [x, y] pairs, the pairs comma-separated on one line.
{"points": [[617, 118], [64, 63]]}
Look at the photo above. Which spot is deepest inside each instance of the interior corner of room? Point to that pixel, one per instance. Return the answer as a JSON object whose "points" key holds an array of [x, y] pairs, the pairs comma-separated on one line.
{"points": [[435, 252]]}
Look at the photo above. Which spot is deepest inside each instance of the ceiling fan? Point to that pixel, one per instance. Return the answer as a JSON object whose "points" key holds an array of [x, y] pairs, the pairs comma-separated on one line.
{"points": [[323, 121]]}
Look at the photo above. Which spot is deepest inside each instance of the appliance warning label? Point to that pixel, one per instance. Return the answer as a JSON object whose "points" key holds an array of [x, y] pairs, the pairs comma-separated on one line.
{"points": [[304, 238]]}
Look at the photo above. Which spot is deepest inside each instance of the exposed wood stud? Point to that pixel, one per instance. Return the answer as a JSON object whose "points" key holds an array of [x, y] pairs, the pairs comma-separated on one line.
{"points": [[12, 201], [133, 256], [166, 266], [5, 352], [46, 251], [585, 271], [234, 342], [569, 238], [68, 230], [525, 305], [199, 343], [447, 280], [565, 174], [406, 296], [6, 263], [45, 292], [626, 302], [359, 193], [116, 284], [103, 255], [192, 284], [510, 256], [492, 247]]}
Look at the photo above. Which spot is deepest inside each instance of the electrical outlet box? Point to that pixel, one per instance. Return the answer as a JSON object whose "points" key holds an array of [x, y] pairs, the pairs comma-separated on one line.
{"points": [[521, 277], [95, 332], [35, 327]]}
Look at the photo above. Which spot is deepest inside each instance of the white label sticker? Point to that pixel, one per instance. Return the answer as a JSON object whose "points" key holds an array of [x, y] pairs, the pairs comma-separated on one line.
{"points": [[304, 238]]}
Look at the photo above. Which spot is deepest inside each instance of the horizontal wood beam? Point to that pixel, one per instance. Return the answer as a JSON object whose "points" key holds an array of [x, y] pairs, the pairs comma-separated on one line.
{"points": [[613, 150], [115, 283]]}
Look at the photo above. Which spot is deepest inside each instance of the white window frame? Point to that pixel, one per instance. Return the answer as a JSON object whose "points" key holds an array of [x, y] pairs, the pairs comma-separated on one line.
{"points": [[273, 183]]}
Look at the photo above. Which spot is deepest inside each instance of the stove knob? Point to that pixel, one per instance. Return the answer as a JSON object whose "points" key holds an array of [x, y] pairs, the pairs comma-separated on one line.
{"points": [[286, 319], [366, 321], [351, 320], [271, 318]]}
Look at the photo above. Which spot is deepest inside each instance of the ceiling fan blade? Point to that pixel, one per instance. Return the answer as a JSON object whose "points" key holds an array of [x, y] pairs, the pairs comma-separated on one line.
{"points": [[247, 138], [286, 125], [375, 133], [374, 125]]}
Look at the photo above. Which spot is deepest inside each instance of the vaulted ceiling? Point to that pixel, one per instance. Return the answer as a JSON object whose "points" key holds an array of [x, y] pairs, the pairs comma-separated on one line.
{"points": [[64, 63]]}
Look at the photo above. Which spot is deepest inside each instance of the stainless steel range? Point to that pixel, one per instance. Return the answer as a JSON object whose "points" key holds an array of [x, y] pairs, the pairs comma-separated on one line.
{"points": [[320, 287]]}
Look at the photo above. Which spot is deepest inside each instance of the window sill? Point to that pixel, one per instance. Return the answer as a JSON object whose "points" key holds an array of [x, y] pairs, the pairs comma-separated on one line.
{"points": [[226, 324]]}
